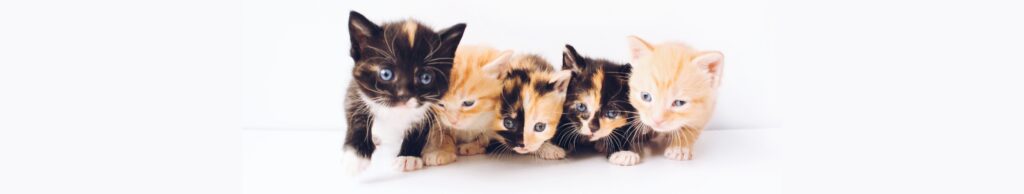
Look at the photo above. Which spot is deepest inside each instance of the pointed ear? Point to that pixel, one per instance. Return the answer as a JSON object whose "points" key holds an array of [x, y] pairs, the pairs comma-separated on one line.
{"points": [[571, 60], [561, 80], [711, 62], [450, 39], [495, 68], [638, 47], [360, 31]]}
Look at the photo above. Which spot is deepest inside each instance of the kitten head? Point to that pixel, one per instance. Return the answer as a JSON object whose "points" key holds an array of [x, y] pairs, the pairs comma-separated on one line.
{"points": [[673, 86], [597, 100], [532, 98], [472, 102], [401, 64]]}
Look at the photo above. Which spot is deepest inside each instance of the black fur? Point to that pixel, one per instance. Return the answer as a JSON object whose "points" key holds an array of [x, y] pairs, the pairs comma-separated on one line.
{"points": [[614, 89], [375, 48]]}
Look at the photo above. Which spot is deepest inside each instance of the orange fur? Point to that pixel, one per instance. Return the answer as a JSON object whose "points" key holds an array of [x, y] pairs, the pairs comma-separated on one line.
{"points": [[673, 71]]}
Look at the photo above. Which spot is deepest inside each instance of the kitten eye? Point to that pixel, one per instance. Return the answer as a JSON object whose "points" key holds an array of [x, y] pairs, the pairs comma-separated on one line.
{"points": [[645, 96], [386, 74], [539, 127], [611, 114], [468, 103], [581, 107], [508, 123], [678, 103], [425, 78]]}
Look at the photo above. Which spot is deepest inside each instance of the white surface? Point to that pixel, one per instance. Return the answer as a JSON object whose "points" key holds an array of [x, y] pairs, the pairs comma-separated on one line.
{"points": [[307, 161], [297, 63]]}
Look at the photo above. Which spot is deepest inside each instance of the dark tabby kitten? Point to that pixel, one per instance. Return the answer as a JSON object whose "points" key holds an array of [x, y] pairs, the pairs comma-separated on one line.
{"points": [[401, 70], [597, 110]]}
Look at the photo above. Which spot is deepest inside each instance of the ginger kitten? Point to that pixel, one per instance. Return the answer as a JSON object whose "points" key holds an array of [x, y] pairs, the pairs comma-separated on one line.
{"points": [[400, 71], [532, 97], [471, 104], [673, 88]]}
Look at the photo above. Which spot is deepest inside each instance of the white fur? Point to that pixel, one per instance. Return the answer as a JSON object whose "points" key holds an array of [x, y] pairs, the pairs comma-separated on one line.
{"points": [[624, 158], [390, 126], [548, 151], [678, 153], [351, 163]]}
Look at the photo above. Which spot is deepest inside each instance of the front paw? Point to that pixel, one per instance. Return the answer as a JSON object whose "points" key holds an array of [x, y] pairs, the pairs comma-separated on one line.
{"points": [[438, 158], [408, 163], [678, 153], [624, 158], [551, 152], [470, 149], [353, 164]]}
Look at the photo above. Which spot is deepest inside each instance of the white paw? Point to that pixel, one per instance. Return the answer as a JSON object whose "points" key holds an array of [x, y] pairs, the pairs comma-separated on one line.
{"points": [[470, 149], [438, 158], [408, 163], [550, 152], [624, 158], [352, 164], [678, 153]]}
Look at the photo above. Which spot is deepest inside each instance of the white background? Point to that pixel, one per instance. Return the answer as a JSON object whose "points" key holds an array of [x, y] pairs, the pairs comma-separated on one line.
{"points": [[147, 97], [297, 63]]}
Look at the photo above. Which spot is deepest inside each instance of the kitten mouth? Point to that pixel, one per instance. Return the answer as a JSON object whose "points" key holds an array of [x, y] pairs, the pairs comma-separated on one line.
{"points": [[520, 150]]}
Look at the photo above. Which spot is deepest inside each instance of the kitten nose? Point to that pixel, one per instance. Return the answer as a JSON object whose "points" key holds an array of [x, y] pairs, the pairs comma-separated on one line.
{"points": [[520, 145], [593, 129]]}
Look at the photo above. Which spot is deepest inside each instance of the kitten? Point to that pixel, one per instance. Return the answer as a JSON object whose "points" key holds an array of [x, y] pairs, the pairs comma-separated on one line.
{"points": [[673, 87], [400, 71], [472, 102], [532, 97], [597, 110]]}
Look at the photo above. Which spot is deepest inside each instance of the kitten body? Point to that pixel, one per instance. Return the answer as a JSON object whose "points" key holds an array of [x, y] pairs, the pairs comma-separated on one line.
{"points": [[532, 97], [471, 105], [398, 75], [597, 111], [673, 87]]}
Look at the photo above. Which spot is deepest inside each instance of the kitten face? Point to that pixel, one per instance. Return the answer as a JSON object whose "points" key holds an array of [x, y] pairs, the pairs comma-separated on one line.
{"points": [[472, 102], [532, 99], [672, 85], [401, 65], [596, 104]]}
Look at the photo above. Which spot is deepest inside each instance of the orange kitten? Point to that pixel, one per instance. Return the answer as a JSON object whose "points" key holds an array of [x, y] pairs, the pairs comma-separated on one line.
{"points": [[673, 89], [472, 102]]}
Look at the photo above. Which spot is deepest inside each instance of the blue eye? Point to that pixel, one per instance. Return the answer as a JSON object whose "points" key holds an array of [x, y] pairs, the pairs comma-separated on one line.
{"points": [[611, 114], [425, 78], [678, 103], [581, 107], [645, 96], [468, 103], [508, 123], [386, 74], [539, 127]]}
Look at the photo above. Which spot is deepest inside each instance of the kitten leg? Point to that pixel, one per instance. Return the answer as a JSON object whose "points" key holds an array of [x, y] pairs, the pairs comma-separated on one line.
{"points": [[440, 148], [550, 151], [680, 145], [620, 151], [477, 146], [410, 157], [359, 144]]}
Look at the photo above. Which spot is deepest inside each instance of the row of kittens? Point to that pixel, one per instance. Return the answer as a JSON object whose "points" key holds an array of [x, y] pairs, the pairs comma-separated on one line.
{"points": [[420, 91]]}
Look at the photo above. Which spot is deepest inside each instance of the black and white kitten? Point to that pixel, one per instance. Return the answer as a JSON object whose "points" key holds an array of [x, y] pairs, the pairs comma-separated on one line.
{"points": [[401, 69]]}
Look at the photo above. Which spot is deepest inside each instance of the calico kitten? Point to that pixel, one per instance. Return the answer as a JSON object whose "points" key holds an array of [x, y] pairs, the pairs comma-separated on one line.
{"points": [[673, 88], [472, 102], [400, 70], [597, 110], [532, 97]]}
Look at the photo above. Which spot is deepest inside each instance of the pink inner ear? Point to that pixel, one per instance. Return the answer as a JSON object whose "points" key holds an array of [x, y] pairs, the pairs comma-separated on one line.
{"points": [[638, 47]]}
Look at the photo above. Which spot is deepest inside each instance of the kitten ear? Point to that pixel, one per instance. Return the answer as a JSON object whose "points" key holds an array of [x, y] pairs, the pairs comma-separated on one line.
{"points": [[495, 68], [638, 47], [561, 80], [360, 31], [711, 62], [571, 60], [450, 39]]}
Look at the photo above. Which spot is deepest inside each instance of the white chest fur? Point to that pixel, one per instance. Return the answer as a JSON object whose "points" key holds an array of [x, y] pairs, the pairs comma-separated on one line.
{"points": [[390, 125]]}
